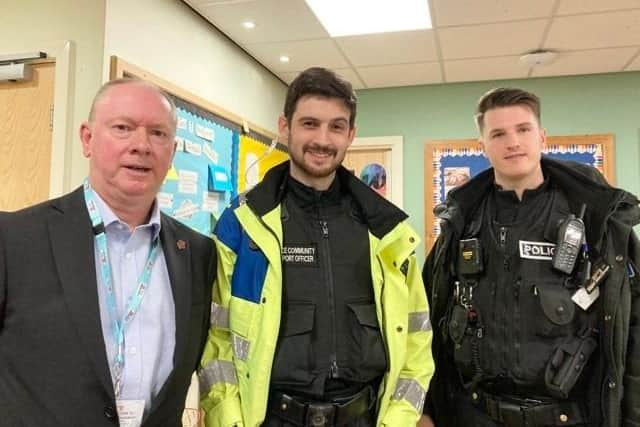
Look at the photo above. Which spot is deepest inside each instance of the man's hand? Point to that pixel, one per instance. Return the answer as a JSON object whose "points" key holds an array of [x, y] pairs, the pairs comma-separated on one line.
{"points": [[425, 421]]}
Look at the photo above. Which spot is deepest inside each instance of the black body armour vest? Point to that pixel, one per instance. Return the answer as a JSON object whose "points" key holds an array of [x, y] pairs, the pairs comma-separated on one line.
{"points": [[522, 308], [330, 342]]}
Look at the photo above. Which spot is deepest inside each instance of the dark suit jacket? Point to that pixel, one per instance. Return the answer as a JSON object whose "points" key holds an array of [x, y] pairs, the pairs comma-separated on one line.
{"points": [[53, 363]]}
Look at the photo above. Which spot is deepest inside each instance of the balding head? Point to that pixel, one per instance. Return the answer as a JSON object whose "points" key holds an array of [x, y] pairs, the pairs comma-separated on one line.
{"points": [[129, 81]]}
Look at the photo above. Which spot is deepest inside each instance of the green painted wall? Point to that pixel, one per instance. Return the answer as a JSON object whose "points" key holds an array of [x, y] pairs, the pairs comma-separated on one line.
{"points": [[605, 103]]}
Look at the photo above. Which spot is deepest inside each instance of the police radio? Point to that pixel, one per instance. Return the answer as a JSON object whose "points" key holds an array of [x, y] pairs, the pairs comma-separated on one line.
{"points": [[570, 238]]}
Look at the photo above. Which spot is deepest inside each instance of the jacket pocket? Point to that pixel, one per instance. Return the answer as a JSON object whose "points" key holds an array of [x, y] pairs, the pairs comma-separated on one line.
{"points": [[546, 318], [366, 351], [292, 363], [554, 310], [242, 316]]}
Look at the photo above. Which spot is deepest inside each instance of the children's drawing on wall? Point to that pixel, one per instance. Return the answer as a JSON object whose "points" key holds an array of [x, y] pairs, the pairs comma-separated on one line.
{"points": [[375, 176], [454, 177]]}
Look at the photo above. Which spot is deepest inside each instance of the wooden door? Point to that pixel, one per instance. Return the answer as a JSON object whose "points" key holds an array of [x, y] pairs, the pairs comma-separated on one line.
{"points": [[26, 110]]}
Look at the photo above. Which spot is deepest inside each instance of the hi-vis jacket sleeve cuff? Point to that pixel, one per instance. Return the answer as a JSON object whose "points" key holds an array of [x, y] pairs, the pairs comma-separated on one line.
{"points": [[225, 414], [406, 404]]}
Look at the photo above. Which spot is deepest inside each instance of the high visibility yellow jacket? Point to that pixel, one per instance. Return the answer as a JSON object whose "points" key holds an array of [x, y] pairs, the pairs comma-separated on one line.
{"points": [[246, 309]]}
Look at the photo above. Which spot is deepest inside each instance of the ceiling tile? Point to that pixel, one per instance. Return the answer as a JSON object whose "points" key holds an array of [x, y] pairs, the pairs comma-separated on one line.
{"points": [[401, 74], [464, 12], [587, 62], [276, 20], [476, 41], [572, 7], [481, 40], [635, 65], [346, 73], [595, 31], [499, 68], [389, 48], [302, 54]]}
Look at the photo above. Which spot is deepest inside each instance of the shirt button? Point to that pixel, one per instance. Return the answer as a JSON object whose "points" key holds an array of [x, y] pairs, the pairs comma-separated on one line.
{"points": [[110, 413], [129, 255], [133, 351]]}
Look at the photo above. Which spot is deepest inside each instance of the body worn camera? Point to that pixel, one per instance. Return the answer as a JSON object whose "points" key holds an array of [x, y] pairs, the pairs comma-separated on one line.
{"points": [[470, 257], [570, 238]]}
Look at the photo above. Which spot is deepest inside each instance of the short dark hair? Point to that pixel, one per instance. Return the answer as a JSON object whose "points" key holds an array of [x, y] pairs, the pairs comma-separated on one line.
{"points": [[320, 82], [506, 97]]}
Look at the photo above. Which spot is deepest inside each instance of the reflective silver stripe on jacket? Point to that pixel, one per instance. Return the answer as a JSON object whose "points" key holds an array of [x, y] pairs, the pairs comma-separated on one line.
{"points": [[241, 348], [216, 372], [219, 316], [419, 321], [410, 391]]}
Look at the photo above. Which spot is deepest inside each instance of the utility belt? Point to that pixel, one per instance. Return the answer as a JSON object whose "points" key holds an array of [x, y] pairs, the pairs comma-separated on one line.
{"points": [[337, 412], [513, 411]]}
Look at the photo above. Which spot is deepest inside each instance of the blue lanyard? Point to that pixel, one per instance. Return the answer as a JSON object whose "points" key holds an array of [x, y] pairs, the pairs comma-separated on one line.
{"points": [[135, 300]]}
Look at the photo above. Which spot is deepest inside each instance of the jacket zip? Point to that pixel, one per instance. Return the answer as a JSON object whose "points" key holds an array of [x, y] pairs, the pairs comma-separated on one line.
{"points": [[333, 358], [506, 263], [505, 292]]}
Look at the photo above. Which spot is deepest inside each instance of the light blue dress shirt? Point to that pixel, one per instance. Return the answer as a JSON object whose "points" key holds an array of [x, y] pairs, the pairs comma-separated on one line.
{"points": [[149, 340]]}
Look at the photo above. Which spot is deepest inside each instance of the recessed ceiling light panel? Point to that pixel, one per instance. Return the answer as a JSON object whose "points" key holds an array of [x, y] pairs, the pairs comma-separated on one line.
{"points": [[284, 58], [354, 17], [249, 25]]}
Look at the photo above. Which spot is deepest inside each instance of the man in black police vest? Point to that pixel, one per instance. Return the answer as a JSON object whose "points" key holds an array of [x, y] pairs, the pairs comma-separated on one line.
{"points": [[533, 286]]}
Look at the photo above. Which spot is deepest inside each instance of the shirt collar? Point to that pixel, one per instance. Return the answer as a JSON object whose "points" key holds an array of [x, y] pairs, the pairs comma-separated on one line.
{"points": [[109, 217]]}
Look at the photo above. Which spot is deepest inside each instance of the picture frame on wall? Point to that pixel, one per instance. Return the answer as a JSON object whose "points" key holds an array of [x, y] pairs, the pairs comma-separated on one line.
{"points": [[451, 163]]}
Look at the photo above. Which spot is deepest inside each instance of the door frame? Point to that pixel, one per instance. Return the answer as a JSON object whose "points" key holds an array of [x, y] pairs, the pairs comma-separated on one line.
{"points": [[62, 136], [394, 143]]}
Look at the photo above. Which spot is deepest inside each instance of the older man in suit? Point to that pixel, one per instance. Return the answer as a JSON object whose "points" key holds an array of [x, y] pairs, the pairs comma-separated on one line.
{"points": [[104, 301]]}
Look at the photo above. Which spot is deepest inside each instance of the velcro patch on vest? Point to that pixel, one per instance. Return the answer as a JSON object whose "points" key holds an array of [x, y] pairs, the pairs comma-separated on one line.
{"points": [[536, 250], [304, 254]]}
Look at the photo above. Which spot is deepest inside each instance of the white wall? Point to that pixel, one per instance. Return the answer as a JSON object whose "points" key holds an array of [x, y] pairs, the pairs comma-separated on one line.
{"points": [[75, 29], [169, 40]]}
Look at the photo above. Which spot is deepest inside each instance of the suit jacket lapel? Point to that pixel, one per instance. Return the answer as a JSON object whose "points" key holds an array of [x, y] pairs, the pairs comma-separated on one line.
{"points": [[71, 237], [177, 254]]}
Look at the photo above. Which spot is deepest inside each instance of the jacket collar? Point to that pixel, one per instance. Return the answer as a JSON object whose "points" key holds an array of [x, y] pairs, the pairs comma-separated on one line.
{"points": [[380, 215], [71, 237]]}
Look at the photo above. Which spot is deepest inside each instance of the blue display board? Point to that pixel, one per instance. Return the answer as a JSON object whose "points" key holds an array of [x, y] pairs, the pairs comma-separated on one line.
{"points": [[199, 185]]}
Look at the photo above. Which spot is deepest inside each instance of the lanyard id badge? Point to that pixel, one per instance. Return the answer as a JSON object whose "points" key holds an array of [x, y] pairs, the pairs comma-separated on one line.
{"points": [[133, 302], [130, 412]]}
